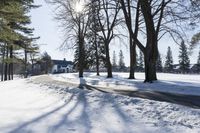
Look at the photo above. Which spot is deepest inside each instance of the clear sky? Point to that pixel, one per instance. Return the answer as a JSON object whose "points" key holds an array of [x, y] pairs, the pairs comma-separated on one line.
{"points": [[51, 37]]}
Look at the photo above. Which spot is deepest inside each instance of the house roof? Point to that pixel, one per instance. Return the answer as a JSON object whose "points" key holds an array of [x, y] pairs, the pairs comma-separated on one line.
{"points": [[63, 63]]}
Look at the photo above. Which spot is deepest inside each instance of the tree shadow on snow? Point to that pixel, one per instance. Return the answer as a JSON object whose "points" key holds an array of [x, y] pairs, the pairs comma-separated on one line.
{"points": [[77, 113], [80, 105], [164, 91]]}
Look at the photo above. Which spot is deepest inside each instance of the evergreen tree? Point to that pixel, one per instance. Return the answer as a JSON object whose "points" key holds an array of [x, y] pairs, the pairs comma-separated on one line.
{"points": [[114, 61], [94, 38], [13, 31], [46, 63], [159, 67], [94, 52], [184, 60], [141, 62], [198, 63], [87, 61], [169, 61], [121, 61]]}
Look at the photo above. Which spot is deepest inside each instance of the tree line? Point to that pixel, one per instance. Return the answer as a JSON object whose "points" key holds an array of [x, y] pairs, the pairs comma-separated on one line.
{"points": [[120, 65], [167, 66], [184, 65], [91, 28]]}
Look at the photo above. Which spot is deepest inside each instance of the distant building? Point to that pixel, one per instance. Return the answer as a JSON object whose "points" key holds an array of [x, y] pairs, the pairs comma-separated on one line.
{"points": [[195, 69], [62, 66]]}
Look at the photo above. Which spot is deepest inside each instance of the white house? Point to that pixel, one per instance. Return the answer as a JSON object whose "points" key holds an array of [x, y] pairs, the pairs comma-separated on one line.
{"points": [[62, 66]]}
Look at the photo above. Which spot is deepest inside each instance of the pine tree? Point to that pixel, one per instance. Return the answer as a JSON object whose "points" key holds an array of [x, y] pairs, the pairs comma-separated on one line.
{"points": [[46, 63], [184, 60], [14, 31], [121, 61], [94, 38], [159, 67], [198, 63], [91, 50], [114, 61], [169, 61], [141, 62], [87, 62]]}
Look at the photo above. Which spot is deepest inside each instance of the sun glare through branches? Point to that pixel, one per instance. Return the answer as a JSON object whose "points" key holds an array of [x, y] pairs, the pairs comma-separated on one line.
{"points": [[79, 6]]}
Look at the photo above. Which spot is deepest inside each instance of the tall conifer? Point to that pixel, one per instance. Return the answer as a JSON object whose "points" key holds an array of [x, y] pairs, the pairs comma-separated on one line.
{"points": [[169, 61], [184, 60]]}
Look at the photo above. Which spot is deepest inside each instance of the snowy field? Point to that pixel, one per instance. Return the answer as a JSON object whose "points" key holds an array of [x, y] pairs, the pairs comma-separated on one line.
{"points": [[33, 106], [173, 83]]}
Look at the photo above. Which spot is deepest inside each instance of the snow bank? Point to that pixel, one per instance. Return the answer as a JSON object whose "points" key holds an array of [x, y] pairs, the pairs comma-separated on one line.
{"points": [[172, 83], [52, 108]]}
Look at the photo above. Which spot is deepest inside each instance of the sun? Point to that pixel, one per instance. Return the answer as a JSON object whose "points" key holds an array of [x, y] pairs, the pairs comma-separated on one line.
{"points": [[79, 7]]}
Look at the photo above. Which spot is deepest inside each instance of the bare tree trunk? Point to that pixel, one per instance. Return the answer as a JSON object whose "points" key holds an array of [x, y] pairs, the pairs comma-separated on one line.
{"points": [[132, 60], [108, 63], [2, 65], [132, 47], [10, 67], [81, 56], [151, 51], [2, 69], [133, 36], [31, 66], [9, 71], [97, 55], [150, 64], [25, 63], [6, 65]]}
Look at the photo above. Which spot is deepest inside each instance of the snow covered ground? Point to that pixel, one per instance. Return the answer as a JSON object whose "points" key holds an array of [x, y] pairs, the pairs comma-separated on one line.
{"points": [[29, 106], [173, 83]]}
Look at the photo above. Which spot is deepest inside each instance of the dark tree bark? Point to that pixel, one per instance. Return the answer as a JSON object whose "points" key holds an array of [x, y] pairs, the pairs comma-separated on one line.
{"points": [[25, 62], [108, 63], [152, 31], [132, 60], [6, 66], [132, 48], [32, 65], [2, 65], [97, 55], [81, 62], [132, 42], [10, 66], [81, 56]]}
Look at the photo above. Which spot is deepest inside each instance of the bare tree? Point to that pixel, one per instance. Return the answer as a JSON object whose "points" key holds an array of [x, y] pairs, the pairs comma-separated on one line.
{"points": [[128, 7], [108, 11], [152, 13], [74, 18]]}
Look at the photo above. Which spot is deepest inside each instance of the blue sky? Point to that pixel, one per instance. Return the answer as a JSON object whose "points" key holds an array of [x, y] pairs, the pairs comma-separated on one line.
{"points": [[51, 37]]}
